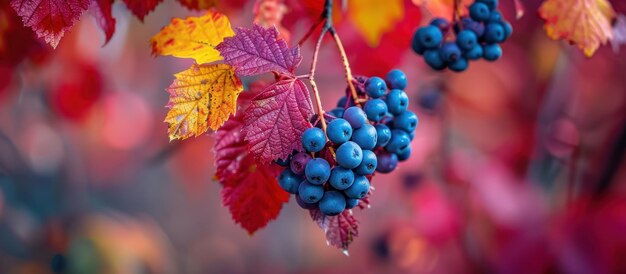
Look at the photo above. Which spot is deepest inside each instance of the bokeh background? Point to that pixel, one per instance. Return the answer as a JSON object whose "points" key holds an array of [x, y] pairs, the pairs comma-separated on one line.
{"points": [[517, 166]]}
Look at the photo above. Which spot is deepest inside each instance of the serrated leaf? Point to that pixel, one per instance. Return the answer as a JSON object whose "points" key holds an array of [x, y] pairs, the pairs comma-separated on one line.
{"points": [[193, 37], [250, 191], [202, 97], [50, 19], [586, 23], [259, 50], [340, 230], [198, 4], [104, 17], [276, 119], [141, 8], [372, 18]]}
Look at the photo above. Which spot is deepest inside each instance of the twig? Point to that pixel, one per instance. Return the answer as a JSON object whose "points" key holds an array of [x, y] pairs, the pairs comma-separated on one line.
{"points": [[346, 66]]}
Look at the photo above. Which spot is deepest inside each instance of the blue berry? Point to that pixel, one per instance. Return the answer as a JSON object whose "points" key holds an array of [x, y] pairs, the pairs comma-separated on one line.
{"points": [[313, 139], [339, 131], [397, 101], [495, 16], [387, 162], [365, 137], [400, 141], [332, 203], [289, 181], [466, 40], [396, 79], [459, 65], [404, 155], [368, 165], [479, 11], [429, 99], [351, 203], [492, 52], [508, 30], [310, 193], [341, 178], [442, 24], [342, 102], [299, 162], [355, 116], [375, 109], [430, 37], [468, 24], [383, 135], [433, 59], [494, 33], [492, 4], [375, 87], [406, 121], [359, 188], [304, 204], [317, 171], [349, 155], [337, 112], [474, 54], [416, 45], [449, 52]]}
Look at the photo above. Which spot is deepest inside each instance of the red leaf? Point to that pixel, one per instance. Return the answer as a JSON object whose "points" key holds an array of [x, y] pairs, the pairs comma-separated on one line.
{"points": [[259, 50], [250, 191], [16, 41], [50, 19], [104, 18], [340, 230], [276, 119], [141, 7]]}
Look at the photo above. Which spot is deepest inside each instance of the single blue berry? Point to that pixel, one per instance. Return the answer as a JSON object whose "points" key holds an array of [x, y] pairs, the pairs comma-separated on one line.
{"points": [[289, 181], [404, 155], [479, 11], [508, 30], [474, 54], [375, 109], [310, 193], [355, 116], [468, 24], [337, 112], [365, 137], [397, 101], [429, 37], [494, 33], [332, 203], [304, 204], [349, 155], [339, 131], [299, 162], [375, 87], [407, 121], [429, 100], [368, 165], [416, 45], [387, 162], [317, 171], [400, 141], [492, 4], [351, 203], [396, 79], [359, 188], [459, 65], [449, 52], [492, 52], [495, 16], [343, 102], [313, 139], [442, 24], [466, 40], [341, 178], [383, 135], [433, 59]]}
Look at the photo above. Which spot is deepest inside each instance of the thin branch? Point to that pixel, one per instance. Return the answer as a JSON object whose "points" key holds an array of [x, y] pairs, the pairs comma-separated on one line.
{"points": [[346, 66]]}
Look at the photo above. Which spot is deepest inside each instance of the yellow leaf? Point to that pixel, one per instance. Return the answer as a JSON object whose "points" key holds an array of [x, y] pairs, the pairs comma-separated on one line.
{"points": [[586, 23], [443, 8], [373, 18], [193, 37], [201, 97]]}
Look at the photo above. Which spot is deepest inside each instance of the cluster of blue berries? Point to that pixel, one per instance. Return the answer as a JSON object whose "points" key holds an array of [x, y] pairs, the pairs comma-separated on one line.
{"points": [[364, 140], [477, 36]]}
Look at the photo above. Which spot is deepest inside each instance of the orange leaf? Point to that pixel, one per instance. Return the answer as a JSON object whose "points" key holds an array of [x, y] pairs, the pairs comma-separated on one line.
{"points": [[269, 13], [193, 37], [586, 23], [202, 97], [443, 8], [373, 18]]}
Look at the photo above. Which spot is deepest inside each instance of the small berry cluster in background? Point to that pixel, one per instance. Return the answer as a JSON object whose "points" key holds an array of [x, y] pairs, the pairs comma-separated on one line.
{"points": [[334, 171], [477, 36]]}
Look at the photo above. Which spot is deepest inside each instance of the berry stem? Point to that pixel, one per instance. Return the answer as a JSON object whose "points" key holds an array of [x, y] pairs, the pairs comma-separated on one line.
{"points": [[346, 65], [316, 93]]}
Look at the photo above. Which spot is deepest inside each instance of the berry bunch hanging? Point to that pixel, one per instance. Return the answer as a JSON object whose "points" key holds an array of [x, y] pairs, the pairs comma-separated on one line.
{"points": [[475, 37], [361, 141]]}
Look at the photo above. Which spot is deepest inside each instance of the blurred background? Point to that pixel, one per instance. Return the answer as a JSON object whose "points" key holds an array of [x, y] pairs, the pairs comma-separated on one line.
{"points": [[517, 166]]}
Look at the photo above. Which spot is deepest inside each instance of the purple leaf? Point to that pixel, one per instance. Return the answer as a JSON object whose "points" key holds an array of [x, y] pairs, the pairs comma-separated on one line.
{"points": [[276, 119], [258, 50], [340, 230]]}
